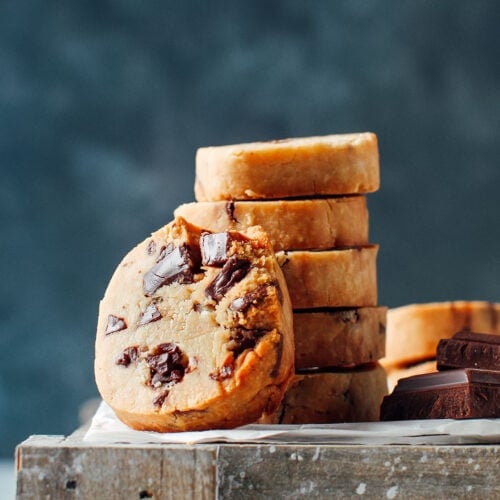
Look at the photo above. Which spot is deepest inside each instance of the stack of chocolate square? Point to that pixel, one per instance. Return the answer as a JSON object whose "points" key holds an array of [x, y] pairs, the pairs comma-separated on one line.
{"points": [[309, 196], [467, 384]]}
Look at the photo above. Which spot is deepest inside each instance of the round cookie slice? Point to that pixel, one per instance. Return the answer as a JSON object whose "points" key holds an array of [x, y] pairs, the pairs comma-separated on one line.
{"points": [[315, 224], [339, 337], [331, 278], [299, 167], [414, 330], [195, 331], [327, 397]]}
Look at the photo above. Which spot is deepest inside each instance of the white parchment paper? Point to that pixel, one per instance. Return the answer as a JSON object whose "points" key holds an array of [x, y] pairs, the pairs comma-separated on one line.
{"points": [[106, 428]]}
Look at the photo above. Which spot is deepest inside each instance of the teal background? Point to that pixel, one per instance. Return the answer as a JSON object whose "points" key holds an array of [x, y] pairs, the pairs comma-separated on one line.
{"points": [[102, 107]]}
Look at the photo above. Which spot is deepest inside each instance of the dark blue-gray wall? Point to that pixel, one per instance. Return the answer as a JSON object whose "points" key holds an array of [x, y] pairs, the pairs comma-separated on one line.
{"points": [[103, 104]]}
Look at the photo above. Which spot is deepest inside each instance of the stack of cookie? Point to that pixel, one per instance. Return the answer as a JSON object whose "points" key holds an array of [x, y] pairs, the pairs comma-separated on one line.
{"points": [[309, 196]]}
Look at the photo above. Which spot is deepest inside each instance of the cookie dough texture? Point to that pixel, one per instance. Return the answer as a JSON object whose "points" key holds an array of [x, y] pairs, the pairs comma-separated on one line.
{"points": [[315, 224], [195, 331], [333, 397], [413, 331], [311, 166], [339, 337], [331, 278]]}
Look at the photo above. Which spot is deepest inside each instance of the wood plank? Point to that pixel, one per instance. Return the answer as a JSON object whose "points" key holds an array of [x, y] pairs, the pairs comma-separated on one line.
{"points": [[62, 469], [334, 471], [68, 468]]}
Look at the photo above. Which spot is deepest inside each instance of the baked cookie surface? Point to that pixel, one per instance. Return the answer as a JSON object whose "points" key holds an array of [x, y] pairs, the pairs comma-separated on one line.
{"points": [[331, 278], [322, 165], [327, 397], [315, 224], [339, 337], [414, 330], [195, 331]]}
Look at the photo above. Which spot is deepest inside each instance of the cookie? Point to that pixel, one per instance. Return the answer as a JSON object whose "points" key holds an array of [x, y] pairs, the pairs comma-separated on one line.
{"points": [[195, 331], [315, 224], [333, 397], [413, 331], [339, 337], [331, 278], [299, 167]]}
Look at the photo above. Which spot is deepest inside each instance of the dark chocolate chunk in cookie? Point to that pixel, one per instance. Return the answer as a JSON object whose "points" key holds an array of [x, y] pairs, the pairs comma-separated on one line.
{"points": [[252, 298], [115, 324], [160, 399], [175, 265], [167, 364], [151, 248], [129, 355], [216, 246], [233, 271], [164, 250], [241, 339], [149, 315], [230, 211]]}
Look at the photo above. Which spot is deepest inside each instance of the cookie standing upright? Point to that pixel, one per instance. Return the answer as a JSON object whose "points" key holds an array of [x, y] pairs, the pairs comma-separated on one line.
{"points": [[195, 331]]}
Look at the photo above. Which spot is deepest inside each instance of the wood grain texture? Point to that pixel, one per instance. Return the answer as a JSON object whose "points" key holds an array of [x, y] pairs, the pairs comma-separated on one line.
{"points": [[68, 468], [58, 467], [334, 471]]}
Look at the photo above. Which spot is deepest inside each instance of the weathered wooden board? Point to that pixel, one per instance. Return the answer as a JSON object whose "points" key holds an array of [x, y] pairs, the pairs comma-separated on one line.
{"points": [[56, 467]]}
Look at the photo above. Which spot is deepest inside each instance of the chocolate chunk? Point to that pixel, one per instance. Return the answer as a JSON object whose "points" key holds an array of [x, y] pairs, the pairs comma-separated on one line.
{"points": [[164, 250], [149, 315], [253, 298], [467, 349], [161, 255], [462, 393], [166, 364], [175, 265], [115, 324], [215, 247], [224, 372], [151, 248], [233, 271], [160, 399], [129, 355], [230, 211], [241, 339]]}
